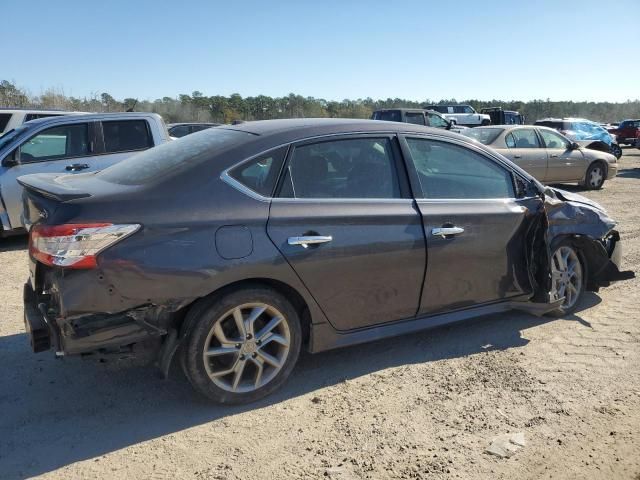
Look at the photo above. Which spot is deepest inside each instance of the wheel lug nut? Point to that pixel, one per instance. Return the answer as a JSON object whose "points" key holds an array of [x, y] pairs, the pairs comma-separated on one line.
{"points": [[241, 357], [254, 355], [238, 345], [249, 336]]}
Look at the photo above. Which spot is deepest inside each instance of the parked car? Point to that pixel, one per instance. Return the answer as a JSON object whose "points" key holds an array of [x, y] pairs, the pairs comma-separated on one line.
{"points": [[627, 132], [281, 234], [73, 143], [179, 130], [503, 117], [547, 155], [417, 116], [587, 133], [11, 118], [461, 114]]}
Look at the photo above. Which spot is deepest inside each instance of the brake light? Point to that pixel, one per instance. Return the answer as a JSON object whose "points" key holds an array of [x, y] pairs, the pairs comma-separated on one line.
{"points": [[75, 245]]}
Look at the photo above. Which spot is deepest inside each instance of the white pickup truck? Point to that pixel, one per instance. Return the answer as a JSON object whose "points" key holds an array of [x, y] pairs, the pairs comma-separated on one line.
{"points": [[69, 144], [462, 115]]}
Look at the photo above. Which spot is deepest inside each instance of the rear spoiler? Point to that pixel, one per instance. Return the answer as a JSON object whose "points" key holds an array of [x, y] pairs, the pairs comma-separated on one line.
{"points": [[49, 185]]}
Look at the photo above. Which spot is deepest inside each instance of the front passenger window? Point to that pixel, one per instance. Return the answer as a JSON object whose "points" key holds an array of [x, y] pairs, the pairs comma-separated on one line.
{"points": [[451, 171], [56, 143]]}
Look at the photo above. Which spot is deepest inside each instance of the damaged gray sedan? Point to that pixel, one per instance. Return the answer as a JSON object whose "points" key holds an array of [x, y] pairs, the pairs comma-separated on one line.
{"points": [[234, 248]]}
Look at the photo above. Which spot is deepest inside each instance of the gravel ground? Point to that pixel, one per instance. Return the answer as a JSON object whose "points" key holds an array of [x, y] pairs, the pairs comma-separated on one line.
{"points": [[420, 406]]}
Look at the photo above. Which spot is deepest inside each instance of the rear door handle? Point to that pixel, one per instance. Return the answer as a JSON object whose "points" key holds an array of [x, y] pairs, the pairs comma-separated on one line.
{"points": [[554, 156], [445, 232], [76, 166], [309, 240], [517, 156]]}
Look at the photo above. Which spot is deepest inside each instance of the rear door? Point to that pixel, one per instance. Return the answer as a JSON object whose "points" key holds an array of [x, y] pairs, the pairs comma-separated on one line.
{"points": [[526, 151], [345, 221], [565, 164], [474, 226], [67, 148]]}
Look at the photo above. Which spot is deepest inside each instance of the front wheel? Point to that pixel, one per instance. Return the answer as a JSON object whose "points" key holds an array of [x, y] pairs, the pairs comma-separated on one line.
{"points": [[595, 177], [567, 278], [243, 346], [616, 150]]}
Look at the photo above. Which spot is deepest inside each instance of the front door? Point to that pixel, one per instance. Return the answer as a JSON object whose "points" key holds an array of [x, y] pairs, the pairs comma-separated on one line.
{"points": [[60, 149], [525, 150], [345, 222], [565, 164], [473, 224]]}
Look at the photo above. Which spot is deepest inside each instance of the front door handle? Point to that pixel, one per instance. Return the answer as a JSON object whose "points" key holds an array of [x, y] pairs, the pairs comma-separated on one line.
{"points": [[76, 166], [554, 156], [309, 240], [445, 232], [517, 156]]}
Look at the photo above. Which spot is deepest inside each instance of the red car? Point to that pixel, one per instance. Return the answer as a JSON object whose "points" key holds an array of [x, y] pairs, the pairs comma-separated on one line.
{"points": [[627, 132]]}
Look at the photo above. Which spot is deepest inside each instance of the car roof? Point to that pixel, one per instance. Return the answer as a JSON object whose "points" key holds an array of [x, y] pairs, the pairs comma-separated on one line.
{"points": [[91, 116], [178, 124], [400, 110], [34, 110], [310, 127]]}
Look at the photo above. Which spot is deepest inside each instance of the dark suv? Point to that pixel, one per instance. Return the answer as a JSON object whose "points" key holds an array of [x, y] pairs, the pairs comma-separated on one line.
{"points": [[503, 117]]}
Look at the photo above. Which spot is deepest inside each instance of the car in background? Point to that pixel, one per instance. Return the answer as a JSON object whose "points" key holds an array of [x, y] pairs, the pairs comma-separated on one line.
{"points": [[69, 144], [314, 233], [11, 118], [503, 117], [461, 114], [179, 130], [587, 133], [547, 155], [417, 116], [627, 132]]}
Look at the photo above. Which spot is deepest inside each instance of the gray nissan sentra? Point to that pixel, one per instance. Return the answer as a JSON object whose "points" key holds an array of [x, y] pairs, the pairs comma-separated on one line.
{"points": [[235, 247]]}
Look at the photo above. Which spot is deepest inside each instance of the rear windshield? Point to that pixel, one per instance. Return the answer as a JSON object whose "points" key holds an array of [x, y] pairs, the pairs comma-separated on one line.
{"points": [[485, 136], [389, 115], [172, 157]]}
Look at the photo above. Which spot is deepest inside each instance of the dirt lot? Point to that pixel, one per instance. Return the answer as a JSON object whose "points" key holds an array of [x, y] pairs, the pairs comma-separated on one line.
{"points": [[423, 406]]}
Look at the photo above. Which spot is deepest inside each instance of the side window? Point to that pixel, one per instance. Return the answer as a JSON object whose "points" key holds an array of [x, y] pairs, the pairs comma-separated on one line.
{"points": [[126, 135], [510, 141], [350, 168], [454, 172], [179, 131], [416, 118], [34, 116], [525, 138], [554, 140], [58, 142], [437, 121], [4, 121], [260, 174]]}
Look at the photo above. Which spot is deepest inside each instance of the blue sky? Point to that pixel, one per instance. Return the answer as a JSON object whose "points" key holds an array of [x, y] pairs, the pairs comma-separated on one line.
{"points": [[563, 50]]}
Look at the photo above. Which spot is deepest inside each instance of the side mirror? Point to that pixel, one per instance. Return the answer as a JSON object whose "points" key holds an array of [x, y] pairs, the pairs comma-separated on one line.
{"points": [[448, 127], [10, 160], [574, 146]]}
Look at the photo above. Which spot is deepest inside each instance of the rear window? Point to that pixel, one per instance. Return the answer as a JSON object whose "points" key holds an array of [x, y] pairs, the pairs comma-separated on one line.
{"points": [[4, 120], [485, 136], [260, 174], [173, 157], [126, 135], [389, 116], [34, 116]]}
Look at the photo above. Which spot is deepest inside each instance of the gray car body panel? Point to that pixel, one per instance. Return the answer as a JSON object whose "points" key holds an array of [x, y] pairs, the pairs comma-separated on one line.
{"points": [[175, 258]]}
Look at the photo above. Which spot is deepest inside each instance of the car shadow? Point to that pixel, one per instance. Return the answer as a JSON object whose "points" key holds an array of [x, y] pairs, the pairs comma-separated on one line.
{"points": [[56, 412], [629, 173], [12, 244]]}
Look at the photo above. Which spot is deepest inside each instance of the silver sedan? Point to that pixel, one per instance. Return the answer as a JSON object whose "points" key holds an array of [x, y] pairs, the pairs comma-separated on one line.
{"points": [[547, 155]]}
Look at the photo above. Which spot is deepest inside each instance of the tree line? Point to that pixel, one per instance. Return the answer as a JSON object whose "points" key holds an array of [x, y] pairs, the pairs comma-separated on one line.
{"points": [[198, 107]]}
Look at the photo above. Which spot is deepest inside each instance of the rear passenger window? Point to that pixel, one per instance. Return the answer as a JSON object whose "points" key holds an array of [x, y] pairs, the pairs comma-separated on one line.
{"points": [[416, 118], [260, 174], [126, 135], [523, 138], [454, 172], [350, 168]]}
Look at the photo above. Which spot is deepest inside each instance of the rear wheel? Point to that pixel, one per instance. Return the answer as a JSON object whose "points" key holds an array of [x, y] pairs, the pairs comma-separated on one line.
{"points": [[567, 278], [595, 177], [243, 346]]}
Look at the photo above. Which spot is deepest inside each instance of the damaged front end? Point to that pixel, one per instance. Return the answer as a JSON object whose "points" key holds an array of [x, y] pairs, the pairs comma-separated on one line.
{"points": [[587, 224]]}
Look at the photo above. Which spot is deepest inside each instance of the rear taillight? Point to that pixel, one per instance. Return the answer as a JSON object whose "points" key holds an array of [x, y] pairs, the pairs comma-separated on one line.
{"points": [[75, 245]]}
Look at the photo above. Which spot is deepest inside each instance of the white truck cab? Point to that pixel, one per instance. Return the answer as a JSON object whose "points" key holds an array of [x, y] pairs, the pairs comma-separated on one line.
{"points": [[11, 118], [462, 115]]}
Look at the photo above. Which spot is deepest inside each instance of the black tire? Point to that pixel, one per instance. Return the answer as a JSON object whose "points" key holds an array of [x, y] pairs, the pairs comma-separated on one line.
{"points": [[597, 170], [485, 123], [569, 309], [203, 318], [616, 150]]}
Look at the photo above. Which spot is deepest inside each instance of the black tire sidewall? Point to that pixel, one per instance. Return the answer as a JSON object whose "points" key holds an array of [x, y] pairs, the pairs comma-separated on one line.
{"points": [[206, 316]]}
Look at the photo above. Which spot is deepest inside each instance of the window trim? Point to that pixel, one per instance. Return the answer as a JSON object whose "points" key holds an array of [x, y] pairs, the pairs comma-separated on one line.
{"points": [[415, 180], [397, 157], [90, 137]]}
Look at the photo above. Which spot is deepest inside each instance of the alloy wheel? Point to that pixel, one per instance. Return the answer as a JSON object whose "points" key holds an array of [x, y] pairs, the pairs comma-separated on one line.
{"points": [[566, 276], [247, 347]]}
